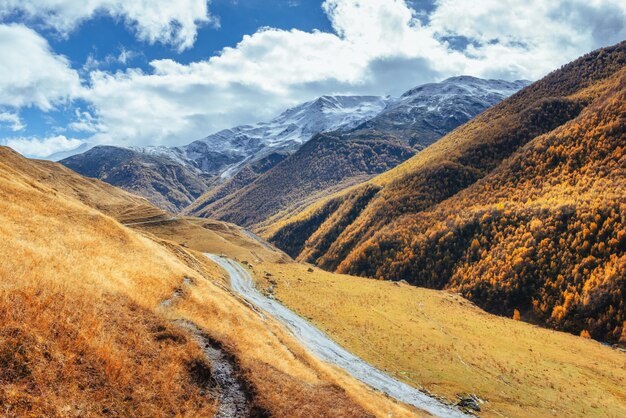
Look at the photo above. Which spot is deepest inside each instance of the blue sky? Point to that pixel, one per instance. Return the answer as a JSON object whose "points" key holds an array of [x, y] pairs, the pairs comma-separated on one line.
{"points": [[125, 72], [103, 38], [104, 35]]}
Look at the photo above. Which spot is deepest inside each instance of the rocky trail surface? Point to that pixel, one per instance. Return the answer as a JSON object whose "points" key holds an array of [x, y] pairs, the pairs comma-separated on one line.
{"points": [[327, 350], [222, 375]]}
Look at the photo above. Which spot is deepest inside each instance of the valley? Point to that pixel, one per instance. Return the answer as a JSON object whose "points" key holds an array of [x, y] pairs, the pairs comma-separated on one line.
{"points": [[454, 249], [87, 311]]}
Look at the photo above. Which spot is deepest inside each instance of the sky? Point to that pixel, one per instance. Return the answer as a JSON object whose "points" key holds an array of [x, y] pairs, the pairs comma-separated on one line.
{"points": [[77, 73]]}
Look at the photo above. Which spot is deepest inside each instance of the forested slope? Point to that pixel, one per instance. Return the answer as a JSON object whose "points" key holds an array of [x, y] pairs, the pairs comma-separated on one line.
{"points": [[521, 208]]}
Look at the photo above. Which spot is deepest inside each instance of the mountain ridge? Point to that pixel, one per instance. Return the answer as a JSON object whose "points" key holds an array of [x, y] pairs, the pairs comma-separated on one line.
{"points": [[341, 159], [173, 178]]}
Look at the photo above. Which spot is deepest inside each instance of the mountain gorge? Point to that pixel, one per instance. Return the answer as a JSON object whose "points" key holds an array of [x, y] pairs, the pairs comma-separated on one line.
{"points": [[520, 209]]}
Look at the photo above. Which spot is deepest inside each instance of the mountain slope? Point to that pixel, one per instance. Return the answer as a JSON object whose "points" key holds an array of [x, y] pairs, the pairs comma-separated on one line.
{"points": [[325, 163], [426, 113], [95, 318], [166, 182], [334, 161], [114, 202], [456, 215]]}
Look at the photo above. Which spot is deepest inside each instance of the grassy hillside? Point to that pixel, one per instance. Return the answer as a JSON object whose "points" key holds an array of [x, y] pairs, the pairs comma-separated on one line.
{"points": [[121, 205], [84, 330], [434, 340], [521, 208]]}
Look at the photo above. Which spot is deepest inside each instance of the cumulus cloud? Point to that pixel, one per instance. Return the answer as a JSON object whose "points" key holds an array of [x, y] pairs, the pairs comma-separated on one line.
{"points": [[30, 73], [173, 22], [378, 47], [42, 147], [511, 38]]}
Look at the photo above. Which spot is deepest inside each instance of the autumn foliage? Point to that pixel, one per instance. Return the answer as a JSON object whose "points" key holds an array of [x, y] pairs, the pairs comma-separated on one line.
{"points": [[522, 208]]}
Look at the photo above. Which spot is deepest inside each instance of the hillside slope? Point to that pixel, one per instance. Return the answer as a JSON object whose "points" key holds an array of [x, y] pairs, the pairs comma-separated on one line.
{"points": [[114, 202], [337, 160], [166, 182], [95, 319], [521, 208]]}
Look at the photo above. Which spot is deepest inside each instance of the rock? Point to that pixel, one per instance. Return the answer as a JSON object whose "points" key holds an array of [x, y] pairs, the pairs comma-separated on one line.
{"points": [[267, 274], [310, 270], [470, 401]]}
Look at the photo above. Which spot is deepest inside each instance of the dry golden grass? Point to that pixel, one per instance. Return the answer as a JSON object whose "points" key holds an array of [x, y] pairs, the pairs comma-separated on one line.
{"points": [[117, 203], [83, 331], [441, 342], [209, 236], [77, 334], [288, 381]]}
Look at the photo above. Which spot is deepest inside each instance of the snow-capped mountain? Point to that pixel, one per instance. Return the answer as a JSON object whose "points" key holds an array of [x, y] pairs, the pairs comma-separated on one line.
{"points": [[424, 114], [224, 152], [339, 159], [235, 157]]}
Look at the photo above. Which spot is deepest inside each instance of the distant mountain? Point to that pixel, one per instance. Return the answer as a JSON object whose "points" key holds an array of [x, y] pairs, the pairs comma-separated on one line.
{"points": [[172, 178], [224, 152], [216, 170], [523, 208], [334, 161], [426, 113], [167, 182]]}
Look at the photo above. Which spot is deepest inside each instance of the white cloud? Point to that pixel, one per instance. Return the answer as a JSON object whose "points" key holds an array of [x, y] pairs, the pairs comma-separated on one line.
{"points": [[379, 47], [12, 120], [172, 22], [123, 58], [85, 122], [42, 147], [30, 73], [529, 38]]}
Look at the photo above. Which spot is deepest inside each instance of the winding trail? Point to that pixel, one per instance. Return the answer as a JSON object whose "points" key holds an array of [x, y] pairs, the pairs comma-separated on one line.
{"points": [[327, 350], [233, 400]]}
